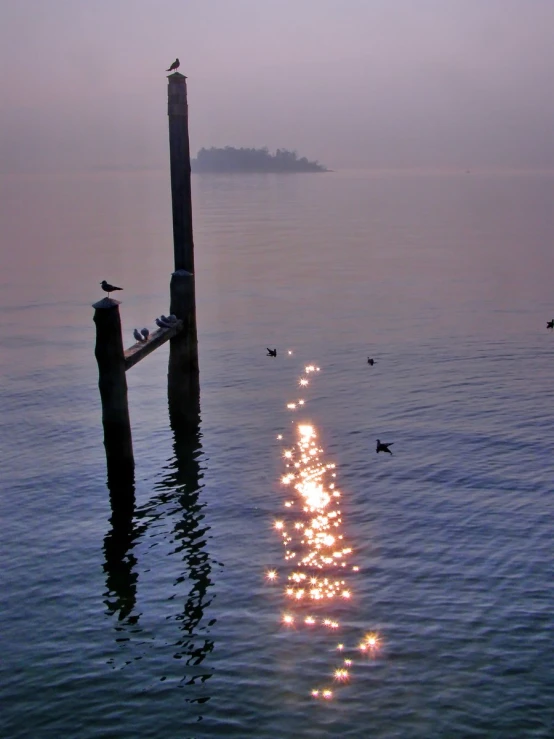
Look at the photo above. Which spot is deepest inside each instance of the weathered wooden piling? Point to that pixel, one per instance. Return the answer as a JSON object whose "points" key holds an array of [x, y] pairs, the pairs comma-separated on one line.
{"points": [[113, 390], [113, 360], [183, 353], [179, 154]]}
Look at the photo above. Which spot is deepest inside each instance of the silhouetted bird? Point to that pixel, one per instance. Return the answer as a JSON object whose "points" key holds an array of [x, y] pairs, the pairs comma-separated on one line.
{"points": [[137, 336], [176, 64], [107, 288], [382, 447], [160, 323], [550, 324], [145, 332], [370, 361], [271, 352]]}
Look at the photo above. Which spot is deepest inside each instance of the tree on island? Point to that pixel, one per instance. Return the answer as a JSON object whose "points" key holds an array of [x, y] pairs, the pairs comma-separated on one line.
{"points": [[230, 159]]}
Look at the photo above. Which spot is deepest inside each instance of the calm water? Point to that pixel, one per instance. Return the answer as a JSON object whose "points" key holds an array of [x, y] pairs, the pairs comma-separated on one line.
{"points": [[167, 622]]}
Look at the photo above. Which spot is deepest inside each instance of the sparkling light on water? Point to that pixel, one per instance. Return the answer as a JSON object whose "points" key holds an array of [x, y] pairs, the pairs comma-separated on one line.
{"points": [[317, 554]]}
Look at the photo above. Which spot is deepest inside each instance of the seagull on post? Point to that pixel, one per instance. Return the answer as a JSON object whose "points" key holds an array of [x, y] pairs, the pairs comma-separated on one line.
{"points": [[382, 447], [107, 288], [137, 336], [176, 64], [145, 332]]}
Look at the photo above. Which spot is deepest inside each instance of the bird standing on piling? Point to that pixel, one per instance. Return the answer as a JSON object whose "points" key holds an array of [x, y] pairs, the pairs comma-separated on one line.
{"points": [[382, 447], [107, 288], [176, 64], [138, 336], [271, 352], [145, 332]]}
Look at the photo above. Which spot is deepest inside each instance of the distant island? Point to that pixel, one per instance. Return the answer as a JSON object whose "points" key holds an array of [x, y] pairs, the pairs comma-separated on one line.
{"points": [[230, 159]]}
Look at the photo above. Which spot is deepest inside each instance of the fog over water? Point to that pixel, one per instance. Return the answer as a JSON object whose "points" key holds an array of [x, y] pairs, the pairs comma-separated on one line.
{"points": [[355, 83]]}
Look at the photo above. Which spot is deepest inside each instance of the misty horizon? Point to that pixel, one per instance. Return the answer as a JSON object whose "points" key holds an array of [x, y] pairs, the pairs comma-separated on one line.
{"points": [[367, 85]]}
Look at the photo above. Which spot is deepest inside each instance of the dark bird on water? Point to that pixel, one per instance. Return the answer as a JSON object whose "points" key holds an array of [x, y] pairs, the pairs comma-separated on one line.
{"points": [[370, 361], [271, 352], [550, 324], [176, 64], [382, 447], [107, 288]]}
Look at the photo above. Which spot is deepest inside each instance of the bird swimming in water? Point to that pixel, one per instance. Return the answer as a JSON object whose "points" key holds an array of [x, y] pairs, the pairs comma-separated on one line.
{"points": [[382, 447], [271, 352], [145, 332], [107, 288], [550, 324], [137, 336], [370, 361], [176, 64]]}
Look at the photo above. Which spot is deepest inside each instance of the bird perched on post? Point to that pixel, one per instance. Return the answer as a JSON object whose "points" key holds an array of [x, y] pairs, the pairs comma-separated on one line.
{"points": [[271, 352], [145, 332], [137, 336], [107, 288], [176, 64], [382, 447], [162, 322]]}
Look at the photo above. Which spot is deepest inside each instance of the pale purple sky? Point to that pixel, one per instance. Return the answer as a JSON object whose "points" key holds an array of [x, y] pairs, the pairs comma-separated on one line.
{"points": [[353, 83]]}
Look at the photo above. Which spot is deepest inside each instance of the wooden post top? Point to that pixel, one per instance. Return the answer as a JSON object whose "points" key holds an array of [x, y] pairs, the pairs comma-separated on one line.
{"points": [[177, 77], [177, 95], [106, 303]]}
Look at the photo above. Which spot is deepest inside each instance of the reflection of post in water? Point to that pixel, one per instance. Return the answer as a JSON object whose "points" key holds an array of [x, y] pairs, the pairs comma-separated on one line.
{"points": [[190, 534], [119, 564]]}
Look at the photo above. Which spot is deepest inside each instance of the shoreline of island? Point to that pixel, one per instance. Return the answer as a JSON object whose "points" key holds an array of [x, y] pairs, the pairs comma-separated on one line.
{"points": [[229, 160]]}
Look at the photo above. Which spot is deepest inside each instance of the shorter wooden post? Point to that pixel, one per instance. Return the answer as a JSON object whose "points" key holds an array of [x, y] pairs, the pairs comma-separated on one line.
{"points": [[113, 391]]}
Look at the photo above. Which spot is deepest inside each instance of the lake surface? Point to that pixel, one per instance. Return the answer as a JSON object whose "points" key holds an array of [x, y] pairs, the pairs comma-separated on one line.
{"points": [[219, 605]]}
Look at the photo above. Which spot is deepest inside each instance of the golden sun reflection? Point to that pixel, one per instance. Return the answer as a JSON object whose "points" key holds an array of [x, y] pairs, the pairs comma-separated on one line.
{"points": [[315, 578], [341, 674]]}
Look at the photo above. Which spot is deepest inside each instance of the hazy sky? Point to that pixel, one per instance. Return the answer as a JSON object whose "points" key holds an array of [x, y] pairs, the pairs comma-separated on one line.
{"points": [[353, 83]]}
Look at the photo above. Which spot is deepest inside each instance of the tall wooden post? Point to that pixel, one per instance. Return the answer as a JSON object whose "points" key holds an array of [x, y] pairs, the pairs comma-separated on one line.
{"points": [[183, 352], [179, 152], [113, 391]]}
